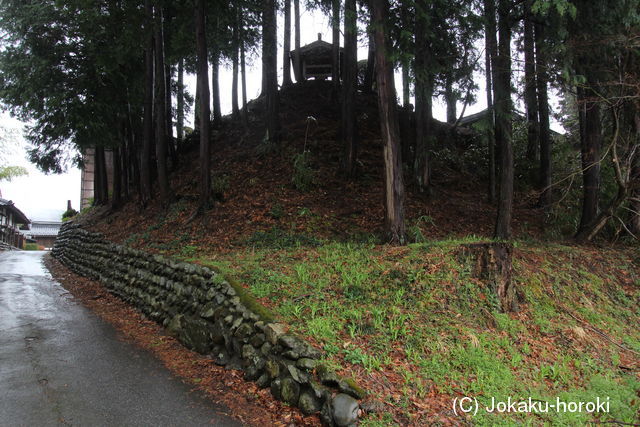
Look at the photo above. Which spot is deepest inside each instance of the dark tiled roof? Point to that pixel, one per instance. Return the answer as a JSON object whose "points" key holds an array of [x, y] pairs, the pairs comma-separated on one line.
{"points": [[472, 118], [20, 218], [318, 46], [43, 228]]}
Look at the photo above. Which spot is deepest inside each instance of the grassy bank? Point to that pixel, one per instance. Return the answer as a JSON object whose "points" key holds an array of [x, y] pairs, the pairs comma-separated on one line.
{"points": [[417, 330]]}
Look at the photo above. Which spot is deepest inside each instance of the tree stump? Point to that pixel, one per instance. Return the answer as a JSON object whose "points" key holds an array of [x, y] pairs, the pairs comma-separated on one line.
{"points": [[491, 263]]}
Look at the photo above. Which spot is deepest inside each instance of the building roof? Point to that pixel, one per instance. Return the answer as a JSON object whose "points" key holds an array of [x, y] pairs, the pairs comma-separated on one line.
{"points": [[44, 229], [481, 115], [20, 217], [317, 47], [473, 118]]}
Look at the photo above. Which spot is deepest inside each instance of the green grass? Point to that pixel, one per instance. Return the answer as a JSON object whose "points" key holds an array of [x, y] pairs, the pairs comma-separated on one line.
{"points": [[418, 313]]}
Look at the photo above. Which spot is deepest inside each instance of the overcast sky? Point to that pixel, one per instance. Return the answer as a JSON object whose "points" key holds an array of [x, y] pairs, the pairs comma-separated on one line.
{"points": [[44, 197], [39, 196]]}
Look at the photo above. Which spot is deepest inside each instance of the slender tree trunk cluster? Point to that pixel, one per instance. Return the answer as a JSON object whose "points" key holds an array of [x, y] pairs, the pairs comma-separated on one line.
{"points": [[145, 164], [145, 149], [114, 90], [155, 130], [141, 152], [499, 133]]}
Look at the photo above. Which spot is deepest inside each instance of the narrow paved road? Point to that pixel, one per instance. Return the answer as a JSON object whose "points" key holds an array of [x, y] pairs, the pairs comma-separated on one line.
{"points": [[62, 365]]}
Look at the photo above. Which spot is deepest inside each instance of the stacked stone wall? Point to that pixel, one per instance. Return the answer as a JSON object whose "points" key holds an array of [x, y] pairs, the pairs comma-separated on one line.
{"points": [[209, 315]]}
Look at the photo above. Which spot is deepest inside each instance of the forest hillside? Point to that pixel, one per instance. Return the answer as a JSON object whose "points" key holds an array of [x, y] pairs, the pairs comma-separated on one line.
{"points": [[486, 257], [414, 325]]}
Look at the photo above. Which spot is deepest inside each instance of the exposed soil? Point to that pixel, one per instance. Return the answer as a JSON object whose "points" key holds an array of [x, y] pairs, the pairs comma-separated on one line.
{"points": [[259, 194]]}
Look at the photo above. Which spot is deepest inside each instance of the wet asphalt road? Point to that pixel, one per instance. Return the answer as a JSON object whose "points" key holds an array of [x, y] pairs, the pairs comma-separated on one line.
{"points": [[62, 365]]}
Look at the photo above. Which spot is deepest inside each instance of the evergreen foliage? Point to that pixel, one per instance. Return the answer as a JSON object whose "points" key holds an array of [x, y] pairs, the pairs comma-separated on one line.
{"points": [[76, 72]]}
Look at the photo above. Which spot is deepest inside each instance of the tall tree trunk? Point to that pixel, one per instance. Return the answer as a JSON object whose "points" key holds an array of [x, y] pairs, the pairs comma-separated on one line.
{"points": [[590, 150], [124, 162], [161, 120], [530, 84], [98, 176], [393, 181], [406, 95], [98, 161], [168, 15], [116, 197], [286, 51], [504, 108], [451, 101], [147, 126], [205, 123], [215, 88], [405, 46], [173, 153], [235, 110], [634, 181], [335, 48], [167, 104], [168, 75], [269, 64], [424, 93], [371, 62], [296, 38], [349, 121], [180, 101], [123, 174], [196, 110], [635, 197], [263, 91], [101, 182], [133, 133], [243, 78], [542, 79], [491, 54]]}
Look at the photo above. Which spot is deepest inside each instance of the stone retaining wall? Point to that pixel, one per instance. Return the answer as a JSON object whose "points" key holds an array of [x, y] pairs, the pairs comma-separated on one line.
{"points": [[209, 315]]}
